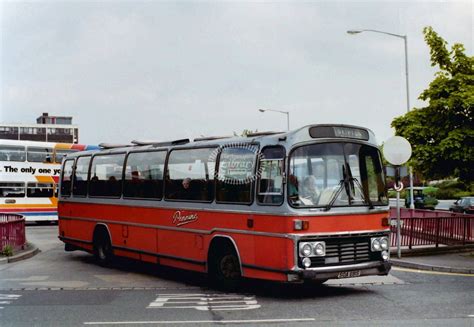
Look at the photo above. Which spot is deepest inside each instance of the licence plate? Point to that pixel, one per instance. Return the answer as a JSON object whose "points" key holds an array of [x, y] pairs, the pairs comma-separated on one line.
{"points": [[348, 274]]}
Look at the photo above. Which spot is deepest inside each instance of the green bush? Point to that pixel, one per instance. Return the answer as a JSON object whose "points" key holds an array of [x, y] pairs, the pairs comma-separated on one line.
{"points": [[430, 201], [431, 191], [7, 250], [393, 194], [460, 194], [454, 189], [452, 184], [448, 193]]}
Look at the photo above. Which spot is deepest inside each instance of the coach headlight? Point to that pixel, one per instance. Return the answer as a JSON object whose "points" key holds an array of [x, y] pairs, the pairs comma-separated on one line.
{"points": [[375, 244], [306, 262], [384, 243], [320, 249], [305, 249]]}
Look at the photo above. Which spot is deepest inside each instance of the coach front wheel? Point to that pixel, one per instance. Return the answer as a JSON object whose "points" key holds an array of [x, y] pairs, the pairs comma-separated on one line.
{"points": [[225, 268]]}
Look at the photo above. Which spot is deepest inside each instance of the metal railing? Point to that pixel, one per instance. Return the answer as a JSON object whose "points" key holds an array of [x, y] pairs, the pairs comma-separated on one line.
{"points": [[12, 231], [427, 227]]}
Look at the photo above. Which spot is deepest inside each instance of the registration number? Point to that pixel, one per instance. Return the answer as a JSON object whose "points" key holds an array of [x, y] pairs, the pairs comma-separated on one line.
{"points": [[348, 274]]}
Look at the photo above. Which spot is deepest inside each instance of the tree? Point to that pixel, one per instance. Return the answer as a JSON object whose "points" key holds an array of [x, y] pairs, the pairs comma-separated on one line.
{"points": [[442, 133]]}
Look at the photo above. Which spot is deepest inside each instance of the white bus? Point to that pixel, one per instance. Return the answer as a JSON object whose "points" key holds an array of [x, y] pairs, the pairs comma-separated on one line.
{"points": [[29, 173]]}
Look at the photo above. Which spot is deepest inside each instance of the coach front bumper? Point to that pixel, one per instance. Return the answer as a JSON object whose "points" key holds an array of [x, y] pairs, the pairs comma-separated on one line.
{"points": [[379, 268]]}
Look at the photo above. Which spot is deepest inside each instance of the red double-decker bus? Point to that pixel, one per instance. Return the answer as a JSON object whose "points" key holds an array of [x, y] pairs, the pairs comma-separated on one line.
{"points": [[305, 204]]}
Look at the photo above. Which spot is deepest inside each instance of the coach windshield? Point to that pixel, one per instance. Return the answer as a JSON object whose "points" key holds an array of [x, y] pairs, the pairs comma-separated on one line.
{"points": [[330, 175]]}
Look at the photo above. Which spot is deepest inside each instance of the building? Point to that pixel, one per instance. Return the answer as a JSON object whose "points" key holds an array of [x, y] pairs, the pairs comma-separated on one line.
{"points": [[48, 129]]}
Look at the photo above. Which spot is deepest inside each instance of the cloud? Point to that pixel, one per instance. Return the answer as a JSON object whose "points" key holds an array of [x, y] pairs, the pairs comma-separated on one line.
{"points": [[162, 70]]}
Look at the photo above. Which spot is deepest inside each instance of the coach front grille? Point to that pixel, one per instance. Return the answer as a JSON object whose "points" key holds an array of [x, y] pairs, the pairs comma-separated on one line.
{"points": [[343, 251]]}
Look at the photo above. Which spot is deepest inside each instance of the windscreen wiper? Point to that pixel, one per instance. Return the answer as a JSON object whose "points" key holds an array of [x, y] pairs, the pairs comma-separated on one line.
{"points": [[334, 196], [348, 184], [366, 196], [343, 183], [352, 180]]}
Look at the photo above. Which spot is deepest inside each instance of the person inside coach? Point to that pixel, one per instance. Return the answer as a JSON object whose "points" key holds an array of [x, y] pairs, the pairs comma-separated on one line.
{"points": [[185, 193], [186, 183], [309, 193]]}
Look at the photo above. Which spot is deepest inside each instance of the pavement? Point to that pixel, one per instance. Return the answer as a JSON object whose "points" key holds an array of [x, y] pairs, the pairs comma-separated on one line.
{"points": [[29, 251], [458, 259]]}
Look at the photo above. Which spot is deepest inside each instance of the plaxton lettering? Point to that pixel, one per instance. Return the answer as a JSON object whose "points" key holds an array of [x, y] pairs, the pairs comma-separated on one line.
{"points": [[180, 220]]}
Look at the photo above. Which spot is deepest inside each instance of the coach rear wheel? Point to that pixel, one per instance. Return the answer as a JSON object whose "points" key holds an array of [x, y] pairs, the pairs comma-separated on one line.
{"points": [[103, 249]]}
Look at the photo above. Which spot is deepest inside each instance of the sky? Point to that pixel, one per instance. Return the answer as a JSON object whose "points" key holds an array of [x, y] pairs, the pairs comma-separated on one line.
{"points": [[154, 70]]}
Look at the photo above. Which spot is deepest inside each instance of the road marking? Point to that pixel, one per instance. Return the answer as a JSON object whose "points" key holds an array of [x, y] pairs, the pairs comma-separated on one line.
{"points": [[371, 280], [220, 322], [204, 302], [58, 284], [429, 272], [27, 279], [8, 298]]}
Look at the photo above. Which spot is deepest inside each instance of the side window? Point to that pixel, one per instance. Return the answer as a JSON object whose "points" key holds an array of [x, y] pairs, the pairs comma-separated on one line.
{"points": [[40, 190], [372, 177], [271, 171], [59, 154], [12, 190], [37, 154], [79, 187], [236, 174], [106, 175], [66, 178], [144, 175], [12, 153], [190, 175]]}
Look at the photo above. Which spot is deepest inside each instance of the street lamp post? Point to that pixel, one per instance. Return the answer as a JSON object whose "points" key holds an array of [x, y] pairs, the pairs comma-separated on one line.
{"points": [[287, 113], [404, 37]]}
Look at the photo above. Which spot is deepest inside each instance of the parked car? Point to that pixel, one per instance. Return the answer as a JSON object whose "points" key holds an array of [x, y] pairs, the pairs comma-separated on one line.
{"points": [[421, 199], [465, 205]]}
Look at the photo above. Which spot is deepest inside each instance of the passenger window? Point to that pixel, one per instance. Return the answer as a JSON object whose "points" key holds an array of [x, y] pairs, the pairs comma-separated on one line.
{"points": [[144, 175], [190, 175], [271, 171], [106, 175], [79, 186], [12, 190], [40, 190], [12, 153], [236, 174], [59, 154], [66, 178], [37, 154]]}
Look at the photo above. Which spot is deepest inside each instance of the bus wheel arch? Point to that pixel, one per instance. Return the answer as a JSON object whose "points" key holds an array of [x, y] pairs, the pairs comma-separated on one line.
{"points": [[102, 244], [224, 265]]}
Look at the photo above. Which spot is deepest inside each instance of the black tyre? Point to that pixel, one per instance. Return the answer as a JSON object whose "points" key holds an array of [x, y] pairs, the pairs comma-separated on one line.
{"points": [[224, 267], [103, 248]]}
